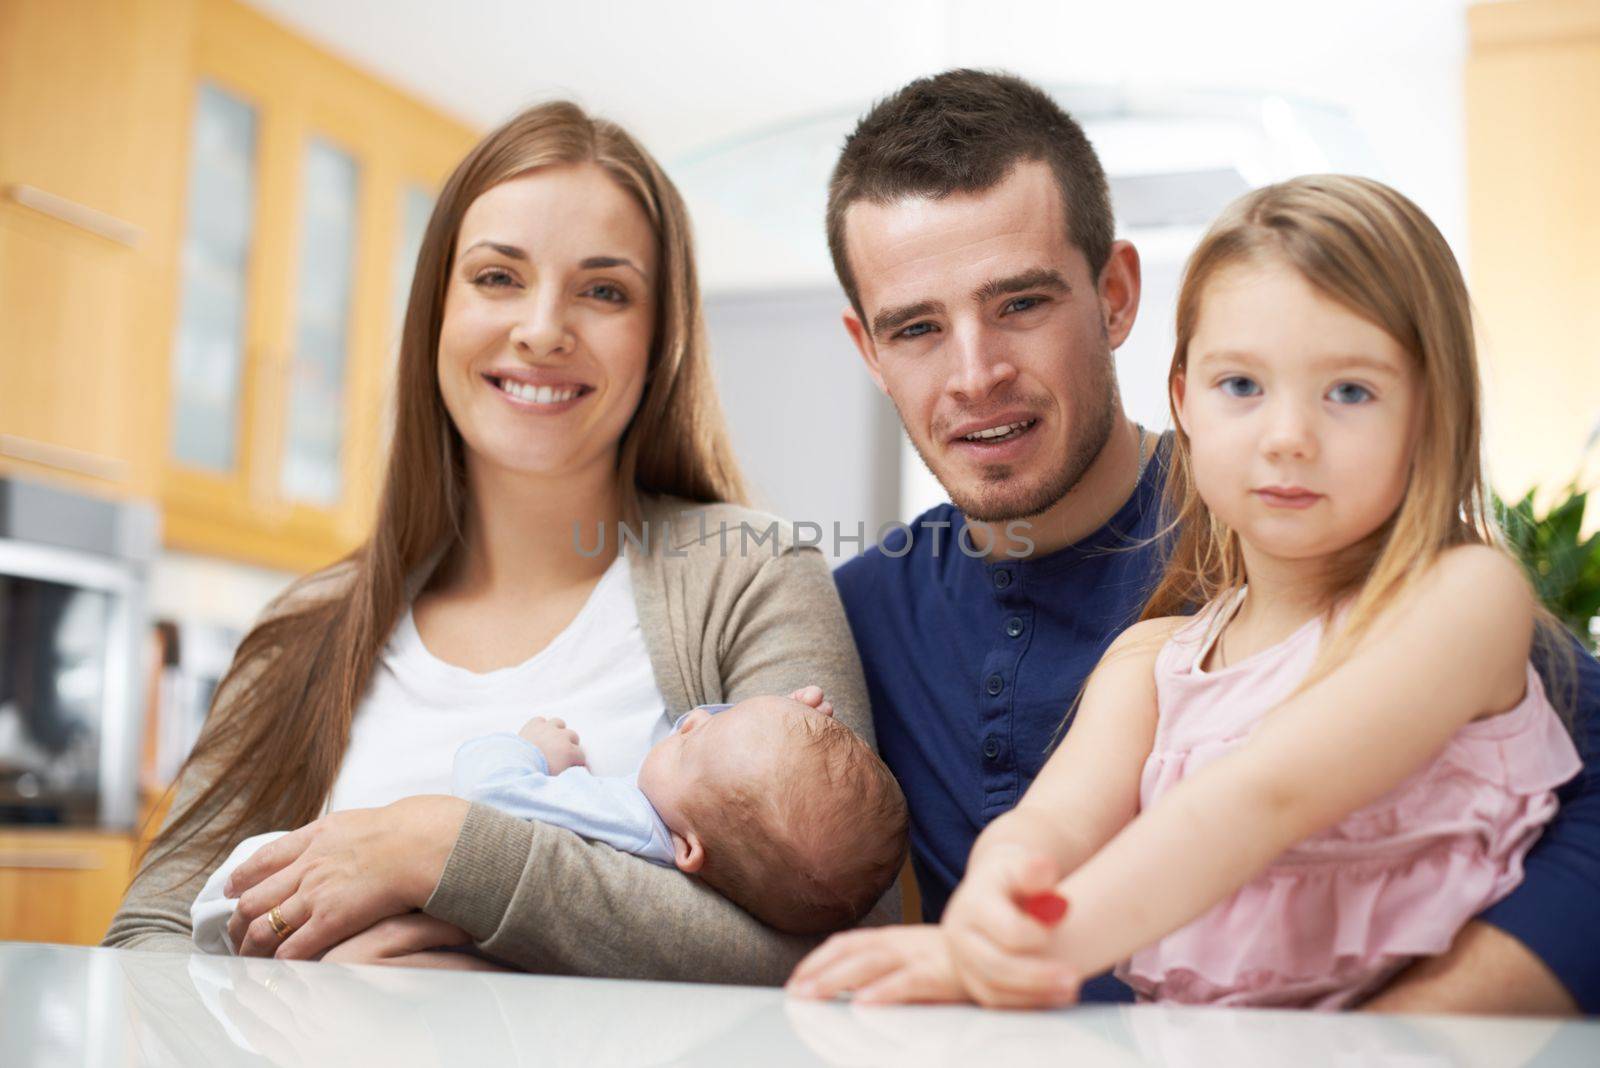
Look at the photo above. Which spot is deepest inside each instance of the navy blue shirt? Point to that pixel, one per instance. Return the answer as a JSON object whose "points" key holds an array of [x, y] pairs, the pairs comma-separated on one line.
{"points": [[971, 667]]}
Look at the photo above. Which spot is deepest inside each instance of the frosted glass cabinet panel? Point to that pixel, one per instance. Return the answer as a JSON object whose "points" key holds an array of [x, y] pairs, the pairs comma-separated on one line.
{"points": [[325, 271], [416, 205], [209, 359]]}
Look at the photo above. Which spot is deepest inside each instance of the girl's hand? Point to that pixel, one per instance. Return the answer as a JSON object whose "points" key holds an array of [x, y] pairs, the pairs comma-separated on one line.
{"points": [[813, 696], [340, 875], [881, 965], [1001, 951]]}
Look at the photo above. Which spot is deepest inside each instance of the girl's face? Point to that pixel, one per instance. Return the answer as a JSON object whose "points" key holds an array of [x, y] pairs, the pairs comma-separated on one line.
{"points": [[1301, 414], [548, 320]]}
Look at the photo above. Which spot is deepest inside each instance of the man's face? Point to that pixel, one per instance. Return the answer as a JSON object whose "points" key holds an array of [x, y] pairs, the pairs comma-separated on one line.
{"points": [[986, 329]]}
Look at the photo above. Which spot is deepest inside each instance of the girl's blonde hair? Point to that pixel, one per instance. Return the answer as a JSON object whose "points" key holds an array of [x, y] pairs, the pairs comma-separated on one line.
{"points": [[274, 746], [1364, 245]]}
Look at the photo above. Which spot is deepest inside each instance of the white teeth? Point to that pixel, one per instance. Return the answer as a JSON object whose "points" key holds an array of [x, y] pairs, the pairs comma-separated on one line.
{"points": [[537, 394], [996, 432]]}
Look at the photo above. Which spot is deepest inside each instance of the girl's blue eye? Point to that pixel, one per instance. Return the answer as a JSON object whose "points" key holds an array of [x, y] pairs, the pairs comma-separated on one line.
{"points": [[915, 330], [1349, 393], [1239, 386], [609, 293]]}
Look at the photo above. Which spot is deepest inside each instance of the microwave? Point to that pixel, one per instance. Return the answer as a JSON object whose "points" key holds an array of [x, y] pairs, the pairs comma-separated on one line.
{"points": [[73, 577]]}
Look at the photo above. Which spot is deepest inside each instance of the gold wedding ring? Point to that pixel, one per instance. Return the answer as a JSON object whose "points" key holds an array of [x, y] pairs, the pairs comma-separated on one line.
{"points": [[280, 926]]}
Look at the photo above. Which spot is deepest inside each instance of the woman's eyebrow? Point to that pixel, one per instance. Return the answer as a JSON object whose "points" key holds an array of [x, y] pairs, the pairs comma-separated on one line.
{"points": [[597, 262], [512, 252]]}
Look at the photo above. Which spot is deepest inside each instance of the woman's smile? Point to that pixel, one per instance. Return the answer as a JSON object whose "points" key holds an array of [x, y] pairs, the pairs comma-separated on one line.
{"points": [[544, 398]]}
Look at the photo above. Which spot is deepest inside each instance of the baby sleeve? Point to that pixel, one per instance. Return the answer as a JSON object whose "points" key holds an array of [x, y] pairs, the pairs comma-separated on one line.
{"points": [[509, 773]]}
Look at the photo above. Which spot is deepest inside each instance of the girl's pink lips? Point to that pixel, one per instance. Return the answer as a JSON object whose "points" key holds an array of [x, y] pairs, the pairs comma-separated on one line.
{"points": [[1287, 496]]}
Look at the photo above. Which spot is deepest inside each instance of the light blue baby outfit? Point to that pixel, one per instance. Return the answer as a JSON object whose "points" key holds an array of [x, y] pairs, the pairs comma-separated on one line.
{"points": [[509, 773]]}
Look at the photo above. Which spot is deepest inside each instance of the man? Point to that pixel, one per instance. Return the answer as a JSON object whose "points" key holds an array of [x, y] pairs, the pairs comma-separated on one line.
{"points": [[971, 229]]}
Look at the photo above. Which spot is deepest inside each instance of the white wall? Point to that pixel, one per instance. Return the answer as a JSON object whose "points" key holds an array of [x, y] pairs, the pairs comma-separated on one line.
{"points": [[683, 75], [690, 79]]}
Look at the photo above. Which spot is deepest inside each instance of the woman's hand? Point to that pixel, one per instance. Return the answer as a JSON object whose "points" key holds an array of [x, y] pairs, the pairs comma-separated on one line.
{"points": [[392, 940], [342, 874], [1001, 953], [881, 965]]}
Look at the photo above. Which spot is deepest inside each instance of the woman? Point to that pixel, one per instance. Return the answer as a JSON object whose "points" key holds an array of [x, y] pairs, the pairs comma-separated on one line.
{"points": [[553, 382]]}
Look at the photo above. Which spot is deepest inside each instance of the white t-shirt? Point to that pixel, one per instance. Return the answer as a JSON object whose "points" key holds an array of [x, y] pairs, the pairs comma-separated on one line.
{"points": [[418, 709]]}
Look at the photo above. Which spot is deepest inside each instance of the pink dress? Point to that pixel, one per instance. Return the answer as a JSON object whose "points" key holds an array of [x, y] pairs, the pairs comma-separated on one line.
{"points": [[1338, 914]]}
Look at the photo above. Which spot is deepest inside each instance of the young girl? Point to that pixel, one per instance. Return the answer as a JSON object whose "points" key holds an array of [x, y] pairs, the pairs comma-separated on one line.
{"points": [[1345, 754]]}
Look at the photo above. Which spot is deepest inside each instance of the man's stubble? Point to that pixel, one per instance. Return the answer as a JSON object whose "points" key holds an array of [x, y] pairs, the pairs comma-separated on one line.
{"points": [[995, 498]]}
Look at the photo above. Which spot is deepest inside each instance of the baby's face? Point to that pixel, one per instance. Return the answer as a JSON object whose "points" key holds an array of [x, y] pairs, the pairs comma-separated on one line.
{"points": [[739, 742]]}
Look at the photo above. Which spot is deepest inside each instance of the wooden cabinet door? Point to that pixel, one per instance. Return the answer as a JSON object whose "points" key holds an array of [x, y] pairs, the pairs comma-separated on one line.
{"points": [[86, 192], [61, 886], [337, 155]]}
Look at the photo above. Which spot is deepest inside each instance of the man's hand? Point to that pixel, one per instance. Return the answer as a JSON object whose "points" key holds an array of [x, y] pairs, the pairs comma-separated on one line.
{"points": [[1001, 947], [556, 741], [1485, 972], [813, 696], [880, 966]]}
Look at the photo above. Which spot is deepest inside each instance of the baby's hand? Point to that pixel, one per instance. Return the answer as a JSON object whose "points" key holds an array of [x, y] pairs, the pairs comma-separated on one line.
{"points": [[812, 695], [558, 744]]}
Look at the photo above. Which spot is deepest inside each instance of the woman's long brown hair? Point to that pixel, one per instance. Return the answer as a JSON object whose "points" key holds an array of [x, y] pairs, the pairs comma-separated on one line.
{"points": [[280, 722]]}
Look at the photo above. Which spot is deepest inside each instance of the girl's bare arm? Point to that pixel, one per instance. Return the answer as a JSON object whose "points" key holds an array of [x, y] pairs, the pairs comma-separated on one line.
{"points": [[1451, 650]]}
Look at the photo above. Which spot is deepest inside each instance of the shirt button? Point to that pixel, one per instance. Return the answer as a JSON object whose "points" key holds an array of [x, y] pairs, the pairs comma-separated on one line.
{"points": [[1014, 627], [1002, 579], [991, 748], [995, 685]]}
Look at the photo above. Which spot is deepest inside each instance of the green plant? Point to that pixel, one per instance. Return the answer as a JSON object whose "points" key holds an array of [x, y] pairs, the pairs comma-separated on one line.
{"points": [[1563, 566]]}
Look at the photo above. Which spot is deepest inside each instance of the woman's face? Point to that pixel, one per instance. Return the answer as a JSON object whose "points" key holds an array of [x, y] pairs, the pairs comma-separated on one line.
{"points": [[548, 321]]}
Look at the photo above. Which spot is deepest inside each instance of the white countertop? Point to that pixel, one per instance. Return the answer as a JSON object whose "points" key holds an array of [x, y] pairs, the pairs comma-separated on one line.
{"points": [[67, 1005]]}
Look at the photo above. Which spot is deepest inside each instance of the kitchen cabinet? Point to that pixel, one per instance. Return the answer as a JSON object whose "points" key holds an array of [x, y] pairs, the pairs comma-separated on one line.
{"points": [[206, 229], [61, 886], [90, 177], [305, 183]]}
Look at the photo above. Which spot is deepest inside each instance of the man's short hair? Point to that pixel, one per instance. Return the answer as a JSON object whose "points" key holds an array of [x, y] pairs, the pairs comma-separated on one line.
{"points": [[962, 132]]}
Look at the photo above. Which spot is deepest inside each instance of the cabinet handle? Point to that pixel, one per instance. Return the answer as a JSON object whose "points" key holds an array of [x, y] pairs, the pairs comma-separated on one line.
{"points": [[62, 458], [52, 859], [74, 214]]}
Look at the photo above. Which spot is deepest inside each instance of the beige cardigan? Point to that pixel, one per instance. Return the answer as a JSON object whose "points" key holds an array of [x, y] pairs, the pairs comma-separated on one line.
{"points": [[761, 617]]}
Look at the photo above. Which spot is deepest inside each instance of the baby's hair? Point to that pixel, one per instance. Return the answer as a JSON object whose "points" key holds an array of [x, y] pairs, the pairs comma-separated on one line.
{"points": [[1364, 245], [812, 839]]}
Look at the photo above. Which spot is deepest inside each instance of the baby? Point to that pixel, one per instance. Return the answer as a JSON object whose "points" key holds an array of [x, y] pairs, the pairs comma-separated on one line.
{"points": [[771, 802]]}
